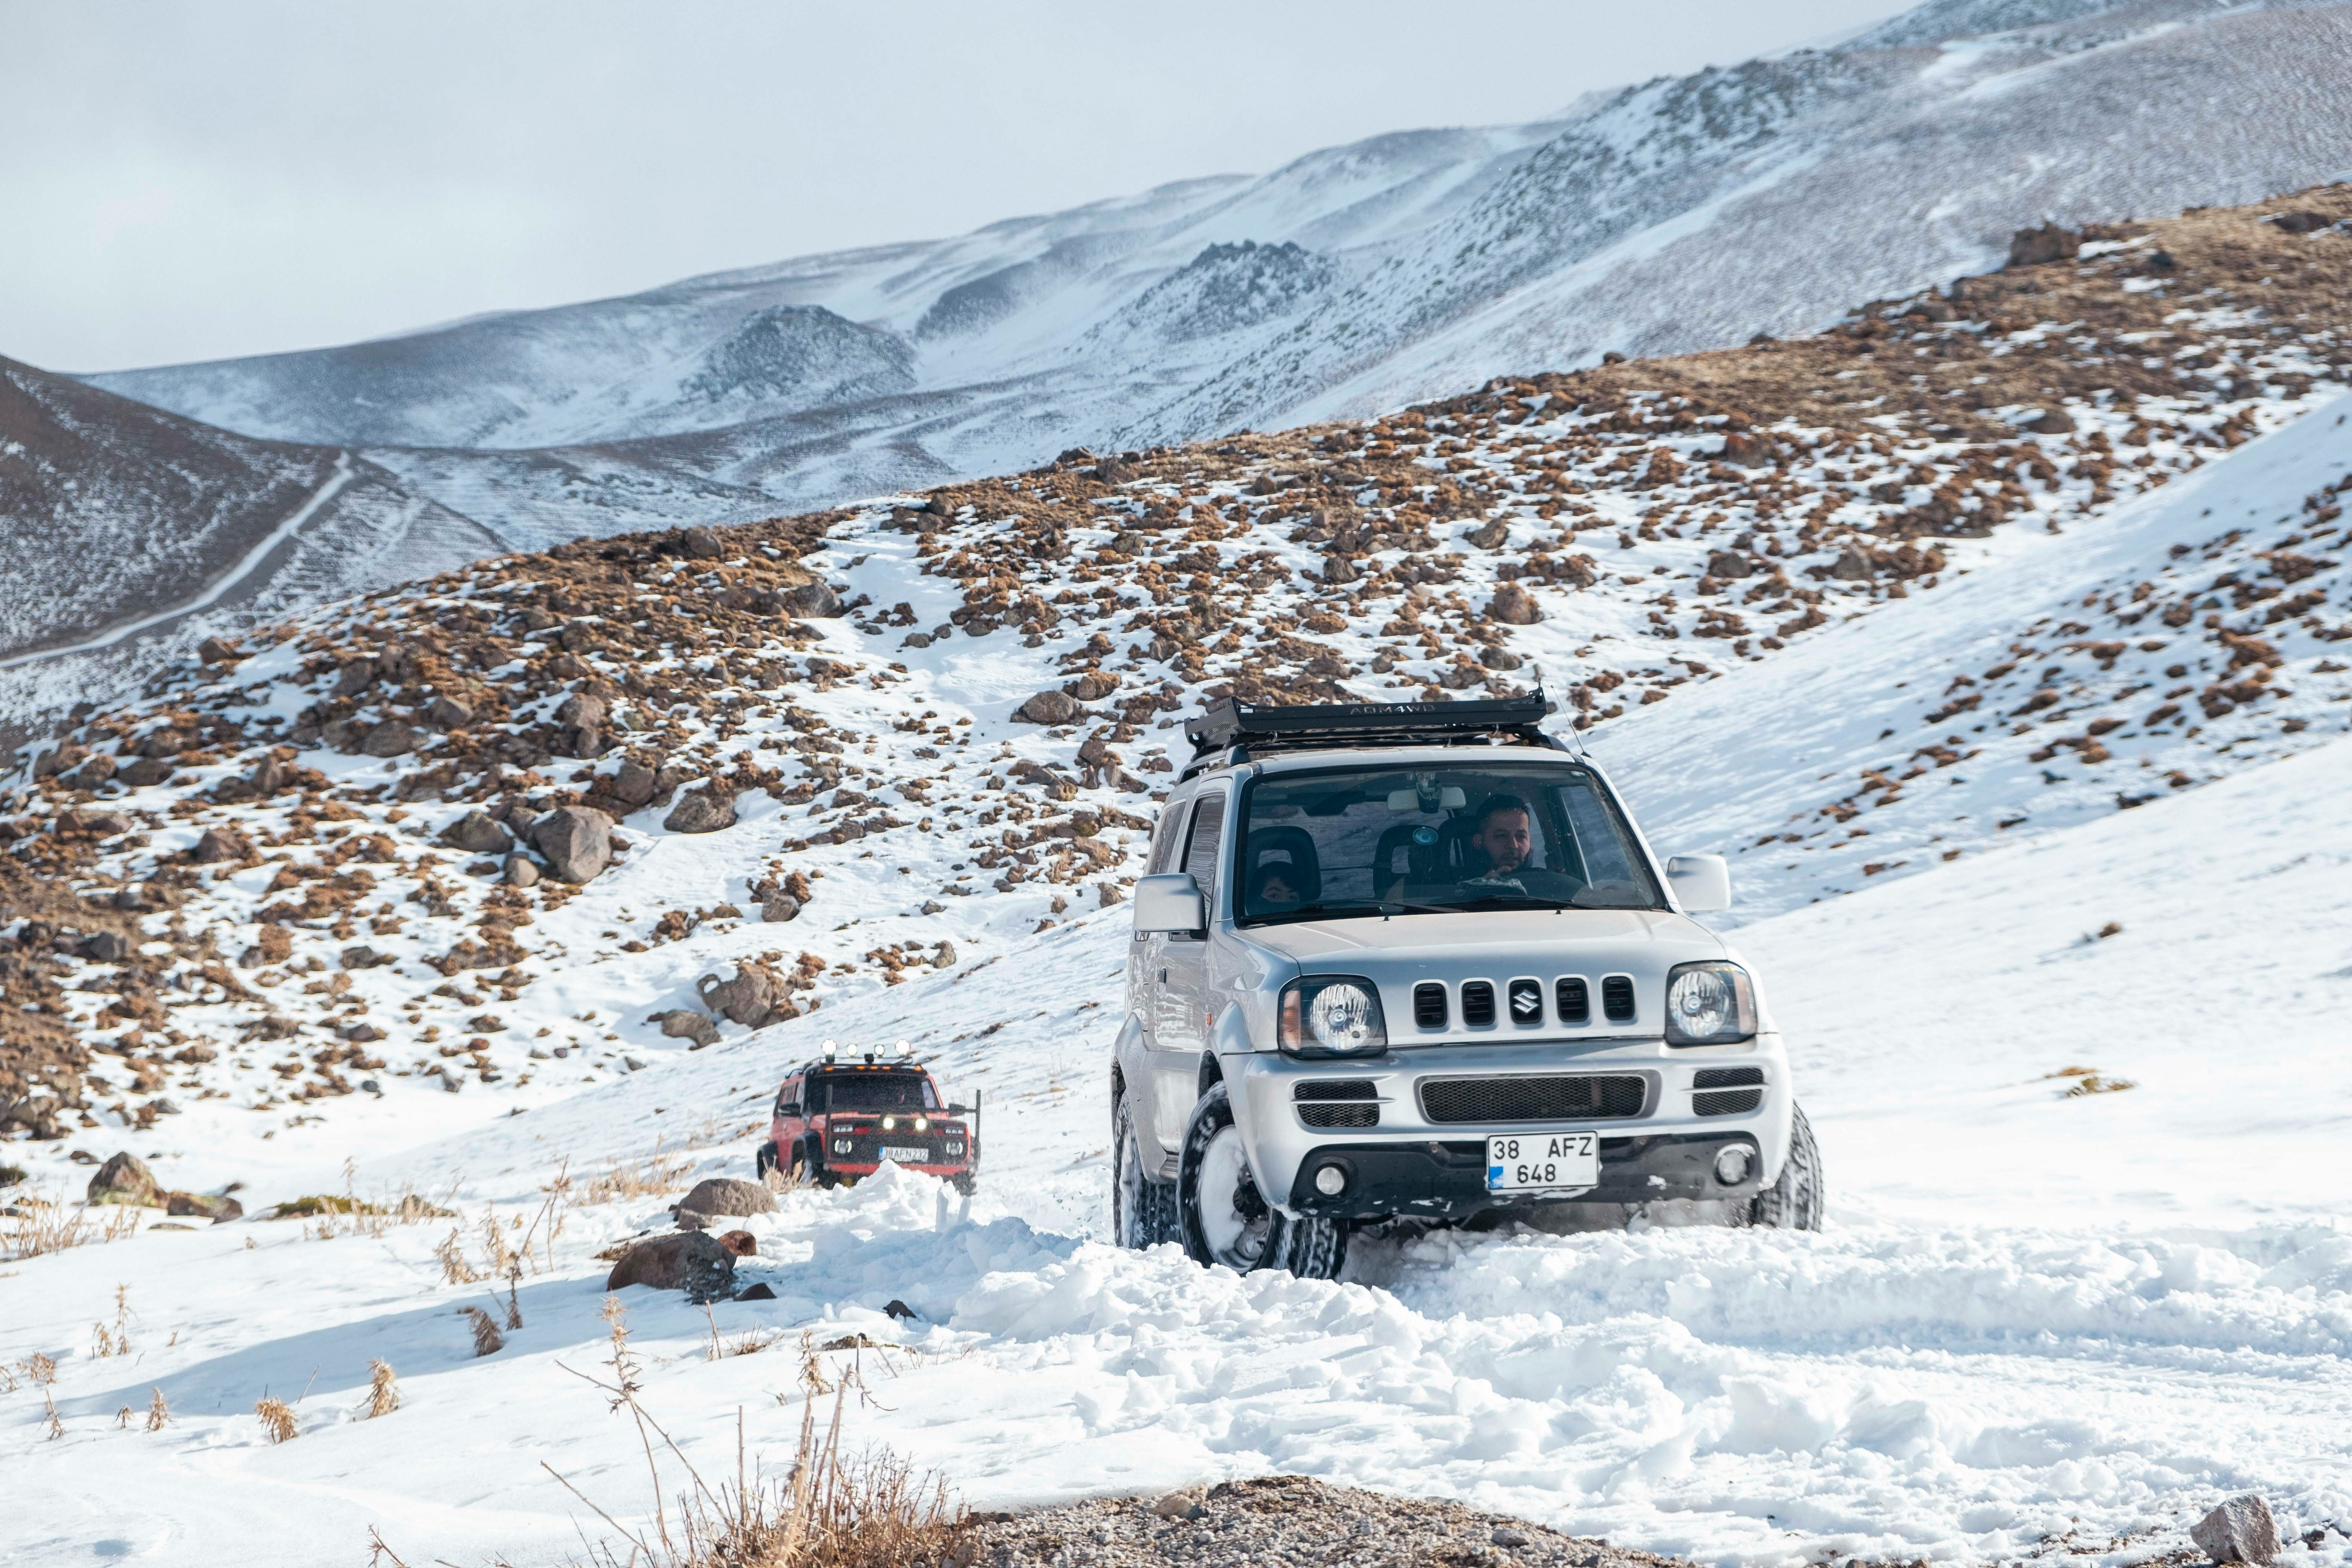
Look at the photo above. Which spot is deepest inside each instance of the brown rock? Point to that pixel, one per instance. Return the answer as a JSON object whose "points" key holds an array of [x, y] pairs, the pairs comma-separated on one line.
{"points": [[747, 999], [125, 1179], [1513, 607], [2052, 422], [690, 1260], [2302, 222], [478, 833], [1728, 564], [1745, 449], [392, 738], [728, 1196], [2240, 1530], [221, 845], [705, 810], [213, 650], [1850, 566], [2033, 246], [685, 1023], [446, 712], [520, 871], [703, 544], [1047, 708], [575, 841], [145, 772], [634, 785], [217, 1209], [742, 1243], [1093, 686], [812, 602]]}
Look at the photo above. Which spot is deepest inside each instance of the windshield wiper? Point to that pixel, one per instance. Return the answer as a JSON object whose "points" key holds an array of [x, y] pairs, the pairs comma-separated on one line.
{"points": [[1383, 908]]}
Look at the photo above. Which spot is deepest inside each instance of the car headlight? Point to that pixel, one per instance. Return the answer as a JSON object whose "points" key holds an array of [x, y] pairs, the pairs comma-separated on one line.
{"points": [[1332, 1015], [1709, 1003]]}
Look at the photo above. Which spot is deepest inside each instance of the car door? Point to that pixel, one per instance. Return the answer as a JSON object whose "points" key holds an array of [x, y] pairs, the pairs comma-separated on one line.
{"points": [[1181, 1022]]}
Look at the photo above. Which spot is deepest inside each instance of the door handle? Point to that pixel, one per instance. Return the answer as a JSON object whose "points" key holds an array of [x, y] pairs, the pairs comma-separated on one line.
{"points": [[1163, 977]]}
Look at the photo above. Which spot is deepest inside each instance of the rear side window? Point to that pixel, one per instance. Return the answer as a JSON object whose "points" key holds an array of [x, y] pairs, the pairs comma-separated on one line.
{"points": [[1168, 835], [1208, 836]]}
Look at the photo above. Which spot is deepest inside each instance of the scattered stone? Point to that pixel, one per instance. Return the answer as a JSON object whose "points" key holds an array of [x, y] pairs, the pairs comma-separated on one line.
{"points": [[576, 841], [1728, 564], [747, 999], [105, 947], [742, 1243], [219, 1210], [634, 785], [781, 908], [690, 1260], [1047, 708], [812, 602], [2302, 222], [945, 958], [213, 650], [762, 1291], [1092, 687], [145, 772], [392, 738], [125, 1179], [2033, 246], [2051, 422], [685, 1023], [221, 845], [728, 1196], [703, 544], [519, 871], [705, 810], [1850, 566], [1513, 607], [2240, 1530], [446, 712], [478, 833], [894, 1308]]}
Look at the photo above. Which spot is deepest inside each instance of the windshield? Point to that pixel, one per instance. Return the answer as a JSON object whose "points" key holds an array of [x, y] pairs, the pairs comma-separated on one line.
{"points": [[873, 1091], [1342, 842]]}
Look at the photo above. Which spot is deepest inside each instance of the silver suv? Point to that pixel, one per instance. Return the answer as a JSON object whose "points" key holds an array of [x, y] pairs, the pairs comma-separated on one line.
{"points": [[1415, 960]]}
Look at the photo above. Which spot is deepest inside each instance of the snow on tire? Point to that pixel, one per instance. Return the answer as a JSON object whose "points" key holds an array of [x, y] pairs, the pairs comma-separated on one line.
{"points": [[1794, 1202], [1226, 1220], [1142, 1208]]}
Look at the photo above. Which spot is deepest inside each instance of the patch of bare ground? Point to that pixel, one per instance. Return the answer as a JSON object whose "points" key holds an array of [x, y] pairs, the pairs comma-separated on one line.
{"points": [[1283, 1518]]}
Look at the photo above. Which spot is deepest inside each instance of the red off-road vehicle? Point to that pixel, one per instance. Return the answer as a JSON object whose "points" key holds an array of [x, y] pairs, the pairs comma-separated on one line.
{"points": [[837, 1121]]}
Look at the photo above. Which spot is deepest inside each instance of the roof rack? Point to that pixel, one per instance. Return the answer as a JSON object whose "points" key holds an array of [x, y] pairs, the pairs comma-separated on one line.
{"points": [[1242, 728]]}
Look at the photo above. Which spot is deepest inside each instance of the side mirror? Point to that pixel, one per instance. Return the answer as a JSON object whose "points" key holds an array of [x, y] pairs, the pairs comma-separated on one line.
{"points": [[1702, 883], [958, 1108], [1170, 902]]}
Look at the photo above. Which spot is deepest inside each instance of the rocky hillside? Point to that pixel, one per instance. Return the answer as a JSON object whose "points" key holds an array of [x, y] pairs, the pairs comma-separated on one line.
{"points": [[521, 825], [1678, 215], [133, 534]]}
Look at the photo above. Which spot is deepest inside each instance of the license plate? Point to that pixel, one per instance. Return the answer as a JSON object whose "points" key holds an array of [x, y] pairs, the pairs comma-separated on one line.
{"points": [[907, 1157], [1535, 1161]]}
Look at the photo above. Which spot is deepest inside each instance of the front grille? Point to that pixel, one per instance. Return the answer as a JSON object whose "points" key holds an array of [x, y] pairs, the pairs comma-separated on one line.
{"points": [[1429, 1005], [1617, 998], [1568, 1097], [1726, 1101], [1333, 1089], [1727, 1078], [1339, 1115], [1477, 1002], [1574, 999], [1527, 1001]]}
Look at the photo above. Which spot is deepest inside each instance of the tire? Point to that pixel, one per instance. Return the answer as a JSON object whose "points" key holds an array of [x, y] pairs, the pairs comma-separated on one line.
{"points": [[764, 1161], [1142, 1207], [1794, 1202], [809, 1166], [1226, 1220]]}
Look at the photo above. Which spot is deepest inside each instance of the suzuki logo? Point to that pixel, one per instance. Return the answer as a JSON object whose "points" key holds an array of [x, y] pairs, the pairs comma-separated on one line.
{"points": [[1527, 1001]]}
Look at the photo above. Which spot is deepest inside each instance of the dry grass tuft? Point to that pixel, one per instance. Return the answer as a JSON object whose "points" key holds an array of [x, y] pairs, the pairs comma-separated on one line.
{"points": [[384, 1390], [2089, 1080], [488, 1341], [277, 1419], [655, 1175], [42, 1224], [455, 1269], [159, 1414]]}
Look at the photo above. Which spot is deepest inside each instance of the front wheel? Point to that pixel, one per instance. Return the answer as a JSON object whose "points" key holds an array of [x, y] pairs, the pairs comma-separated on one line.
{"points": [[1226, 1220], [765, 1160], [1794, 1202], [1142, 1208]]}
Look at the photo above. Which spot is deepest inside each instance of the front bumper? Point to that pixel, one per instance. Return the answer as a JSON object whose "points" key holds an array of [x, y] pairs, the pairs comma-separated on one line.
{"points": [[1407, 1164], [1447, 1179]]}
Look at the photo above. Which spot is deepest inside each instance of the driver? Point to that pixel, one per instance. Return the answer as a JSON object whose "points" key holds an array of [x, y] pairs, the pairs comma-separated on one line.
{"points": [[1506, 837]]}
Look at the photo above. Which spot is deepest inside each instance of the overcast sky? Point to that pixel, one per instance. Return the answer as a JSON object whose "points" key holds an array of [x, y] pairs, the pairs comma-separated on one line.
{"points": [[187, 180]]}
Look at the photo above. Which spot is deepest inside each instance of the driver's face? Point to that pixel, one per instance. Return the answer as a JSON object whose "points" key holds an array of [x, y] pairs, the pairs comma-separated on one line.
{"points": [[1506, 840]]}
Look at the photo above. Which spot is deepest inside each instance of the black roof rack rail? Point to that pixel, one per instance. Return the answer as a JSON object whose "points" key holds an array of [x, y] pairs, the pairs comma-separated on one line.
{"points": [[1242, 728]]}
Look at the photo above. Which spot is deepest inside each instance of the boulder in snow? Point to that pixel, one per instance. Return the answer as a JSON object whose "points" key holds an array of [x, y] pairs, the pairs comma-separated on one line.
{"points": [[478, 833], [705, 810], [1513, 607], [1047, 708], [125, 1179], [577, 842], [728, 1196], [685, 1023], [2240, 1530], [690, 1260]]}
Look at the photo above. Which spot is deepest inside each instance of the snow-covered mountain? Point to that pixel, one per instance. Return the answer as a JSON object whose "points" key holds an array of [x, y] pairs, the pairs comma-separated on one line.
{"points": [[2000, 637], [1679, 215], [133, 534]]}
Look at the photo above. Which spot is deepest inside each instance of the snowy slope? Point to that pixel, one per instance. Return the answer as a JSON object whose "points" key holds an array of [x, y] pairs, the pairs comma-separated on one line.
{"points": [[1677, 215], [2102, 1313], [133, 534]]}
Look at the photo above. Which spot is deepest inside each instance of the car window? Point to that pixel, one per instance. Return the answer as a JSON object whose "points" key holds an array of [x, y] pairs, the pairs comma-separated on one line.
{"points": [[876, 1091], [1167, 835], [1344, 841], [1207, 838]]}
